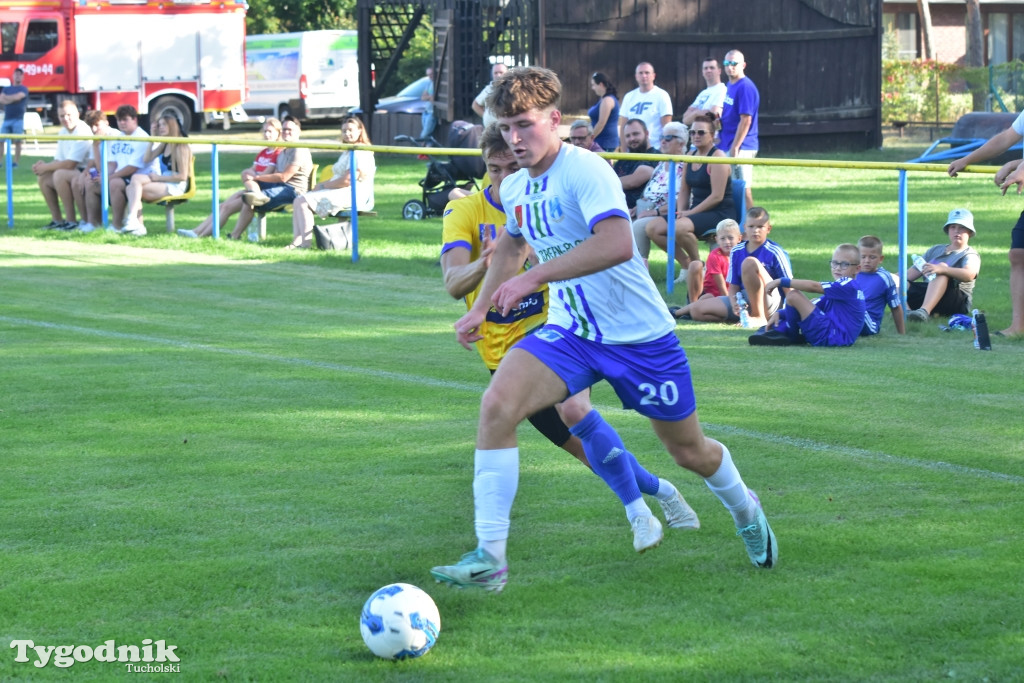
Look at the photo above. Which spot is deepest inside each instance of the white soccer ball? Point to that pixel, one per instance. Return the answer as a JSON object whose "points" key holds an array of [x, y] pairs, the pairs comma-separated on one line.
{"points": [[400, 621]]}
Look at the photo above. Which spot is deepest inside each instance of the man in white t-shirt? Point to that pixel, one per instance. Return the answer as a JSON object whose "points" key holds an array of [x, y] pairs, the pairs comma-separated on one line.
{"points": [[479, 105], [647, 102], [710, 99], [124, 158], [69, 160]]}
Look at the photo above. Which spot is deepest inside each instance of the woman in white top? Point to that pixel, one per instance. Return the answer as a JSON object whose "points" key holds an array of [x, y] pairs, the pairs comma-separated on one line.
{"points": [[175, 164], [335, 194]]}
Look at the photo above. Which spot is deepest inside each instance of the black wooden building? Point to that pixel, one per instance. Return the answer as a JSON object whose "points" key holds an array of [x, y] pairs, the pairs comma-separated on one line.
{"points": [[817, 63]]}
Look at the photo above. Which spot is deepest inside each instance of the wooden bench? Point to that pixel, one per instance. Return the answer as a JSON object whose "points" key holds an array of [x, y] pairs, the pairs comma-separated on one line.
{"points": [[261, 214], [171, 201]]}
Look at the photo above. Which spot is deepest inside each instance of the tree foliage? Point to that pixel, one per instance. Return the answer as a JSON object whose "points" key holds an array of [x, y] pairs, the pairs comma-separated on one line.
{"points": [[415, 60], [284, 16]]}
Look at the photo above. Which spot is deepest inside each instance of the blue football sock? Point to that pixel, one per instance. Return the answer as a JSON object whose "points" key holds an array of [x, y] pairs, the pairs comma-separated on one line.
{"points": [[611, 461]]}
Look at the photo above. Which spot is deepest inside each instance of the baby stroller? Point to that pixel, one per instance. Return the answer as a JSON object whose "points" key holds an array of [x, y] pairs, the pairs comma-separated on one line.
{"points": [[444, 176]]}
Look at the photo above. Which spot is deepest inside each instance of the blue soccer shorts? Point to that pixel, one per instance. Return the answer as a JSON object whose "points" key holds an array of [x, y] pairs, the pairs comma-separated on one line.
{"points": [[818, 329], [652, 378]]}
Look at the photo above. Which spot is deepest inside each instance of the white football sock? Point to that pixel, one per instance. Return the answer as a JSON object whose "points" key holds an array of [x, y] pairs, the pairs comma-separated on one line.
{"points": [[666, 491], [495, 480], [727, 484], [638, 508]]}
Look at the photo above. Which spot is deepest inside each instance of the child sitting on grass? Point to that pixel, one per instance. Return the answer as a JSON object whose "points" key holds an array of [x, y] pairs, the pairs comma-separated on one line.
{"points": [[752, 263], [879, 288], [709, 282], [835, 319], [949, 273]]}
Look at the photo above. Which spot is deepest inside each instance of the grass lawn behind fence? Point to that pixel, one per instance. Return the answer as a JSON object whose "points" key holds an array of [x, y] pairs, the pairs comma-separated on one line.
{"points": [[228, 447]]}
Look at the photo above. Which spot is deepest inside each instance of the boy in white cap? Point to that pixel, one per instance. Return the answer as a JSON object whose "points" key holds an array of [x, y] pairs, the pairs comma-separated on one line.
{"points": [[955, 268]]}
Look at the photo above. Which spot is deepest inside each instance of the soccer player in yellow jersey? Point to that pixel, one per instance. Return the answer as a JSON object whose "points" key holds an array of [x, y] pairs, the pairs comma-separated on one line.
{"points": [[472, 226]]}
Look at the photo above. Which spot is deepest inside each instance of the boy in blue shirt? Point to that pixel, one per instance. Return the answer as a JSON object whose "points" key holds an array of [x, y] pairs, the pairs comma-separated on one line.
{"points": [[752, 263], [835, 319], [879, 287]]}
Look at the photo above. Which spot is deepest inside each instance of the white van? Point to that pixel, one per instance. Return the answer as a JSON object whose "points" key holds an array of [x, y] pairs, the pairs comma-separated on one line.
{"points": [[310, 75]]}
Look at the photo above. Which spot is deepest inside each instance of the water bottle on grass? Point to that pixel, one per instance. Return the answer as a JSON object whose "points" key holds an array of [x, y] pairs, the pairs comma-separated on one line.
{"points": [[980, 327], [741, 301]]}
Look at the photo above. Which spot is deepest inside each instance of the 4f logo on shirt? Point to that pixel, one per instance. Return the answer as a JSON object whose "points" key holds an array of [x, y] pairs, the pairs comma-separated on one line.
{"points": [[640, 107]]}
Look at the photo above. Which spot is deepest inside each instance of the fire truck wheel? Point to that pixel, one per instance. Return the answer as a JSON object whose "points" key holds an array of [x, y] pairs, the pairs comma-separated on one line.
{"points": [[174, 104]]}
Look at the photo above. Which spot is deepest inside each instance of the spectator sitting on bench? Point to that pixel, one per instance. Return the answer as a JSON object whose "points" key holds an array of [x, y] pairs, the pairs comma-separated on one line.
{"points": [[289, 179], [175, 159], [265, 162], [76, 186], [705, 198], [66, 164], [334, 195], [126, 158]]}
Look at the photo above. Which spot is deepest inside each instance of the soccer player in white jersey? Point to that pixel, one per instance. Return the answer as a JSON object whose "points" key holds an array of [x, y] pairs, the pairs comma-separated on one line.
{"points": [[606, 320]]}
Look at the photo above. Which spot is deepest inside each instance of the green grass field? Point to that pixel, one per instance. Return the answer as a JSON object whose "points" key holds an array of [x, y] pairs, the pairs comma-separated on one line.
{"points": [[228, 447]]}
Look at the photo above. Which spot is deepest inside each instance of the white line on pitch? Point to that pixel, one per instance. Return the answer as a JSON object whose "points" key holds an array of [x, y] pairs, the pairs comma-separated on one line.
{"points": [[796, 442]]}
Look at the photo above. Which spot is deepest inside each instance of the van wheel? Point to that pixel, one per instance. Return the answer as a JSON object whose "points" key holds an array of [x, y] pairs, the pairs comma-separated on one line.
{"points": [[170, 103], [283, 111], [414, 210]]}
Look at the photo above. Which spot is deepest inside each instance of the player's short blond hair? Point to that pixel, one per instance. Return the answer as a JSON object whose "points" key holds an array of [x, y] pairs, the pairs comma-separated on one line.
{"points": [[726, 225], [523, 89], [851, 250]]}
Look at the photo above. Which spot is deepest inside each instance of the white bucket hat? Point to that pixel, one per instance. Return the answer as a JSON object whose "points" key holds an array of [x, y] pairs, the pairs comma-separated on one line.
{"points": [[960, 217]]}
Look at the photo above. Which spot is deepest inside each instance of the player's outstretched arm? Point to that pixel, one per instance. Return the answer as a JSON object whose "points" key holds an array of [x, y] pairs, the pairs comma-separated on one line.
{"points": [[801, 285], [507, 258], [995, 146]]}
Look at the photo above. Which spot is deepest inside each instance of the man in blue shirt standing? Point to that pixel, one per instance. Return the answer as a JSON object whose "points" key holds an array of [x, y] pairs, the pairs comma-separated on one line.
{"points": [[739, 118], [13, 97]]}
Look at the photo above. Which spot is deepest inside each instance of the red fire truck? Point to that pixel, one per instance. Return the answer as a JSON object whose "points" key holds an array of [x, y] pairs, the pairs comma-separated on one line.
{"points": [[185, 55]]}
